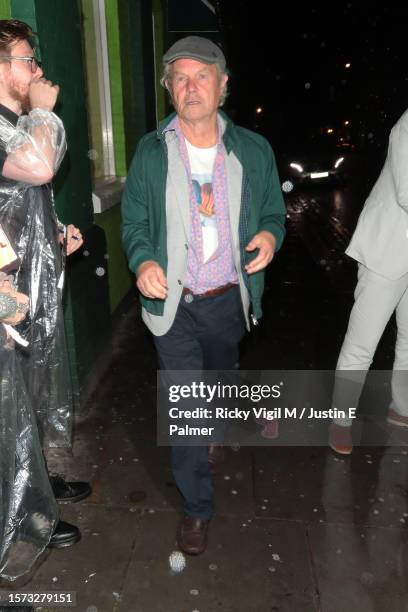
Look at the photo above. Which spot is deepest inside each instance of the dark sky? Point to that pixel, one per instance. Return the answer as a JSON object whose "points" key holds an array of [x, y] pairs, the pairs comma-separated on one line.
{"points": [[290, 59]]}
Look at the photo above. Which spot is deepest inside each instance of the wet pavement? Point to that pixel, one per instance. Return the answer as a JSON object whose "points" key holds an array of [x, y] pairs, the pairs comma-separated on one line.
{"points": [[296, 529]]}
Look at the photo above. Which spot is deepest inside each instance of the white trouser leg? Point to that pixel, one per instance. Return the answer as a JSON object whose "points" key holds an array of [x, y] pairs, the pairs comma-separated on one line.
{"points": [[376, 297], [400, 373]]}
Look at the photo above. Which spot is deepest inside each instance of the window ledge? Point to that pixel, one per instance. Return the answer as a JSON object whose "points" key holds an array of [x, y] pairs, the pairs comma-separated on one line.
{"points": [[107, 192]]}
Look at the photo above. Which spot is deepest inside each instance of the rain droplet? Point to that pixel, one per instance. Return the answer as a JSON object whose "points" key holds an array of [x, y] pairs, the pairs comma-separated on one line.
{"points": [[287, 186], [177, 561]]}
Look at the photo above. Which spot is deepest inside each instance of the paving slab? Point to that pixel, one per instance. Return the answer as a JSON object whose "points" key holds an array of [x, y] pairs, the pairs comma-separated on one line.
{"points": [[96, 566], [250, 566], [364, 569], [316, 485]]}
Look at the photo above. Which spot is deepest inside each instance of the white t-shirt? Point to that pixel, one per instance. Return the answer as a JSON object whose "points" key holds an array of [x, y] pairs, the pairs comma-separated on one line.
{"points": [[201, 165]]}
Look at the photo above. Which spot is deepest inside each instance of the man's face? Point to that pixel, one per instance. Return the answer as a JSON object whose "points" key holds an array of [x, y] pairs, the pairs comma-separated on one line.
{"points": [[195, 89], [17, 74]]}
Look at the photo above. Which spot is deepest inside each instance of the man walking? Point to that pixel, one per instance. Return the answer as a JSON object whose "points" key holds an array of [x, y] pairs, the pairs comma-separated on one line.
{"points": [[203, 215], [380, 245]]}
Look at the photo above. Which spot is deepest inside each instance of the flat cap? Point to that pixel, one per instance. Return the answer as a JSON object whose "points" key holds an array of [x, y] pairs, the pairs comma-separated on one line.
{"points": [[198, 48]]}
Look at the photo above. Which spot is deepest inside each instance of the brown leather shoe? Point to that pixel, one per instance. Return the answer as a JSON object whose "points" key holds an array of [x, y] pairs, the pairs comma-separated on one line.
{"points": [[192, 535], [216, 456]]}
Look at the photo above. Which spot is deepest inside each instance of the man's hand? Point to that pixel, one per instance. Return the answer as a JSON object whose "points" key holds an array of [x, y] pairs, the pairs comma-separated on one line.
{"points": [[74, 239], [151, 280], [266, 243], [43, 94]]}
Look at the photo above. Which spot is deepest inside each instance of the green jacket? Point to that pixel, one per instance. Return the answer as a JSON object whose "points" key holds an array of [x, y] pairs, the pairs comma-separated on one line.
{"points": [[144, 206]]}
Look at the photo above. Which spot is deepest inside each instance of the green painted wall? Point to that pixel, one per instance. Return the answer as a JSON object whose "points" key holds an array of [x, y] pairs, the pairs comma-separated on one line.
{"points": [[24, 10], [135, 24], [5, 9], [92, 89], [120, 279], [115, 74], [64, 65]]}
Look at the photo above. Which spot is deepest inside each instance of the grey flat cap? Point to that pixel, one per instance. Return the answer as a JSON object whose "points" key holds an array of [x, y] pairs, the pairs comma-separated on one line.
{"points": [[198, 48]]}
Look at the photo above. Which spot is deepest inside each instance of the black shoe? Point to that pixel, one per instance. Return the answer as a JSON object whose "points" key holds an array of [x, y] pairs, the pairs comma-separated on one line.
{"points": [[64, 535], [69, 492]]}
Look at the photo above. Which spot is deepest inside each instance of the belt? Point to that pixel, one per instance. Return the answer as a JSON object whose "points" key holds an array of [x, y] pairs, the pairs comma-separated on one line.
{"points": [[210, 292]]}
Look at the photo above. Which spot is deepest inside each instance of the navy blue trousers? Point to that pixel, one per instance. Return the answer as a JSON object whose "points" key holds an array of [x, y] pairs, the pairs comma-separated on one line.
{"points": [[204, 336]]}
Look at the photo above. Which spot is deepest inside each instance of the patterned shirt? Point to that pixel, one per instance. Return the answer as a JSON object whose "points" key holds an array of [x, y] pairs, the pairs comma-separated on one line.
{"points": [[219, 268]]}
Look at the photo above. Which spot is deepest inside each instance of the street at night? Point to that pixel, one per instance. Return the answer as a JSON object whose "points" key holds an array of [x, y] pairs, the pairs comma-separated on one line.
{"points": [[296, 528]]}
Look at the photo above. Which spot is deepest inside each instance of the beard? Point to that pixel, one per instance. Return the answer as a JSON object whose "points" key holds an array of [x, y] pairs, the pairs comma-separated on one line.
{"points": [[20, 94]]}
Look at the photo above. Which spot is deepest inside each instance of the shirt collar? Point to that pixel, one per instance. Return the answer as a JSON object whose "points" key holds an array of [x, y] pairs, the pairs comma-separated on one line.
{"points": [[174, 126]]}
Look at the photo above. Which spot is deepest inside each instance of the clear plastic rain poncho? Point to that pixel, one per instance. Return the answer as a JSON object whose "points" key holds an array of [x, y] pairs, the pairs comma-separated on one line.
{"points": [[28, 510], [35, 386], [27, 215]]}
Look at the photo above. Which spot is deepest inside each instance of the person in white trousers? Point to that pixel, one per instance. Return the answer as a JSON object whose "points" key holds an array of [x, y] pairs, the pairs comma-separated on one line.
{"points": [[380, 246]]}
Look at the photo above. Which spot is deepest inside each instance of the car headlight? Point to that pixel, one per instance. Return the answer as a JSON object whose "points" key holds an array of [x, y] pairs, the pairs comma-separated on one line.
{"points": [[297, 167], [339, 162]]}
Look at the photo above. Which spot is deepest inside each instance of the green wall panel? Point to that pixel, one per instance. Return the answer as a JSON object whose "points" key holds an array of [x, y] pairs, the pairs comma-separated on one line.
{"points": [[24, 10], [87, 312], [115, 74], [5, 9], [92, 88], [135, 23], [120, 279], [64, 65]]}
